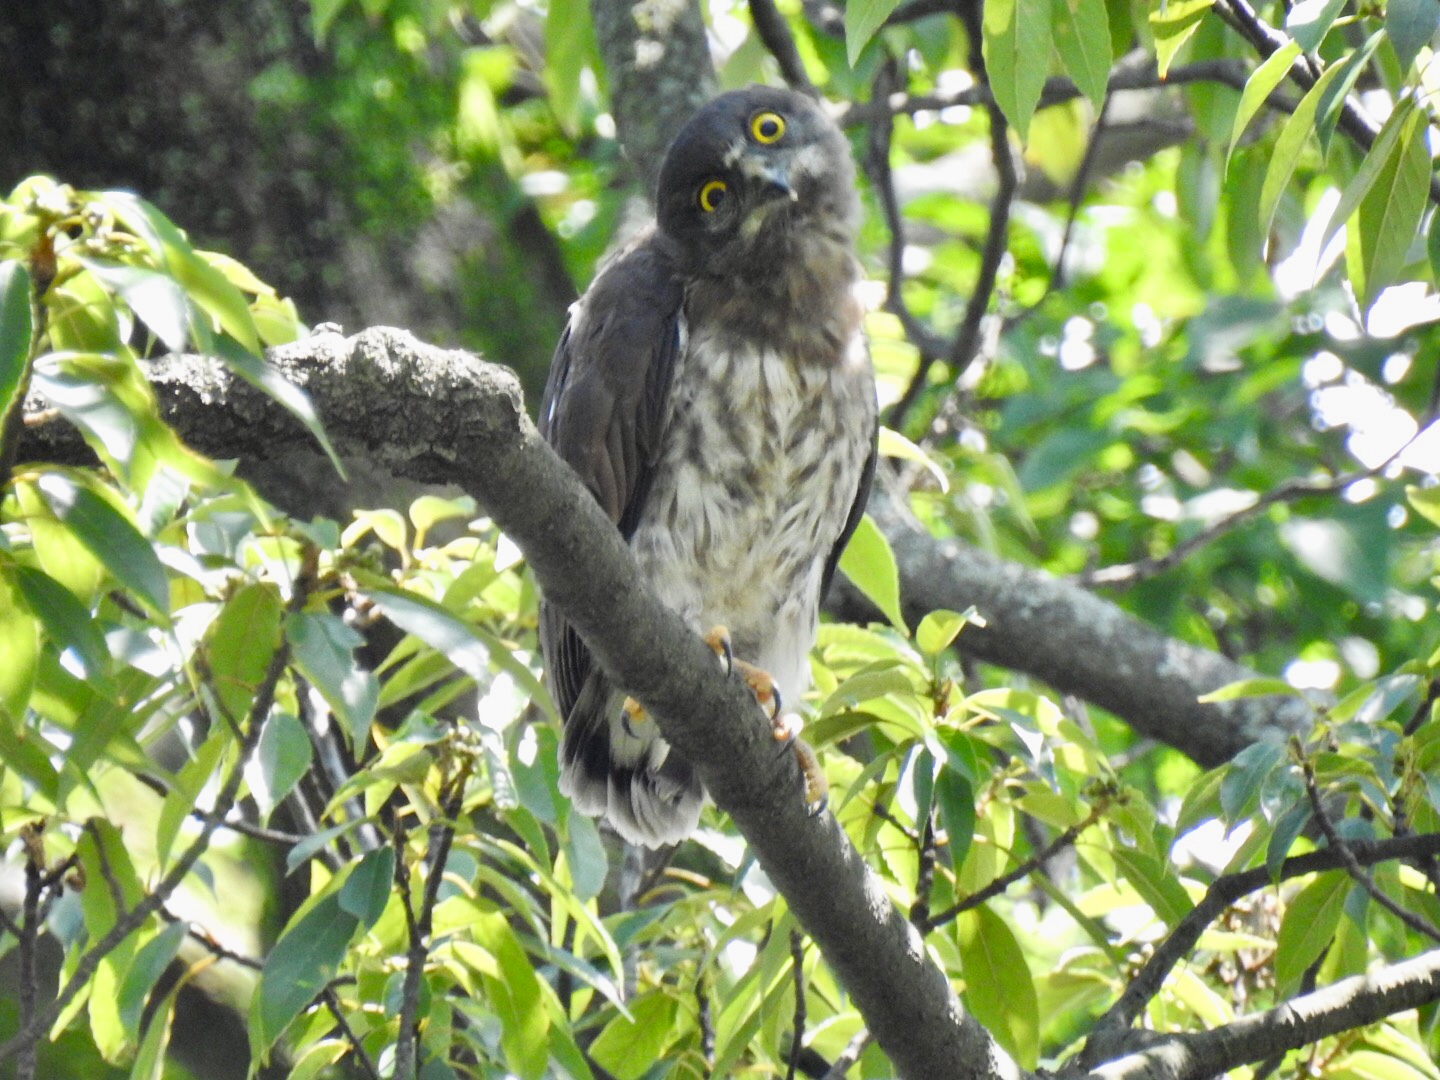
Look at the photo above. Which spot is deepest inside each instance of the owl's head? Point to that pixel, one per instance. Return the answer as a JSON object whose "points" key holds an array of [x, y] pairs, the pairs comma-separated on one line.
{"points": [[752, 169]]}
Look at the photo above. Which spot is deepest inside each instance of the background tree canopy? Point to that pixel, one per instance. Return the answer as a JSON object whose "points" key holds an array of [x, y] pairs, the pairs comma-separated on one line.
{"points": [[1128, 705]]}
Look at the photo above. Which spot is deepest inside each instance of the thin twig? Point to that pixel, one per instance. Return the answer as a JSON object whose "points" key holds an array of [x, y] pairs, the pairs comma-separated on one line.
{"points": [[775, 35], [1124, 575], [851, 1054], [705, 1023], [1353, 868], [1077, 196], [1223, 892], [925, 876], [1025, 869], [29, 931], [419, 924], [127, 924], [332, 1002], [797, 967]]}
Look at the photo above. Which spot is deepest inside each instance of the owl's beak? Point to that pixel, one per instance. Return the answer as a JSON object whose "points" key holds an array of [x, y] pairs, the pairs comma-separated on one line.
{"points": [[771, 181]]}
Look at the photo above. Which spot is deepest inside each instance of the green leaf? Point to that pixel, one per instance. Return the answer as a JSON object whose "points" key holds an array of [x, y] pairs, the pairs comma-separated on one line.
{"points": [[1288, 146], [204, 284], [870, 565], [149, 964], [15, 331], [569, 44], [1240, 786], [894, 445], [367, 890], [282, 758], [1156, 883], [939, 628], [1398, 125], [1288, 826], [110, 537], [1425, 501], [1017, 56], [1248, 688], [1258, 88], [1081, 31], [955, 799], [1309, 21], [999, 989], [322, 648], [20, 646], [1332, 101], [322, 17], [1309, 926], [241, 643], [429, 510], [1172, 24], [68, 623], [628, 1047], [585, 854], [302, 963], [1410, 25], [268, 380], [155, 298], [863, 18], [1389, 215], [515, 996]]}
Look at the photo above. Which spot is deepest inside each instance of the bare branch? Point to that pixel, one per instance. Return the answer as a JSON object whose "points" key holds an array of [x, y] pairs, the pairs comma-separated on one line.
{"points": [[797, 972], [1349, 1003], [775, 35], [1111, 1030]]}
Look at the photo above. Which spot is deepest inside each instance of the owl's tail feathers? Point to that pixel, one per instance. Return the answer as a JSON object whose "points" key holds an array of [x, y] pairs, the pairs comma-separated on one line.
{"points": [[649, 794]]}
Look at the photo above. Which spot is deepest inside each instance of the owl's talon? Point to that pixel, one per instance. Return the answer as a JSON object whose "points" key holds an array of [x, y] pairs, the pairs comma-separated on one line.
{"points": [[817, 788], [785, 729], [719, 641], [633, 714]]}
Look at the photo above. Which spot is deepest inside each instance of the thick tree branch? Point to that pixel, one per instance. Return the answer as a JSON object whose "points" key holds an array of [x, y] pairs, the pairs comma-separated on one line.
{"points": [[1347, 1004], [446, 417]]}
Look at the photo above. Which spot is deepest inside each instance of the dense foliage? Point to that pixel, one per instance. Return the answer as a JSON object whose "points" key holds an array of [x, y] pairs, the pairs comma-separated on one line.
{"points": [[307, 768]]}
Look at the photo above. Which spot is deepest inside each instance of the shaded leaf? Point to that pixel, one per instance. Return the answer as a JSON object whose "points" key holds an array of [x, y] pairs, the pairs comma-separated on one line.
{"points": [[367, 890], [301, 964], [862, 19], [68, 623], [1286, 154], [1410, 24], [322, 648], [149, 964]]}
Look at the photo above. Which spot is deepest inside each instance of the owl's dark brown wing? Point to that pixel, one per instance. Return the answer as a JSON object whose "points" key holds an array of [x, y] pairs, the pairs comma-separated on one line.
{"points": [[857, 509], [605, 408]]}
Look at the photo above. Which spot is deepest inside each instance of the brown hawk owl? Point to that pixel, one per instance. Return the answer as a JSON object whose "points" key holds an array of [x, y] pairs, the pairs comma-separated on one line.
{"points": [[714, 391]]}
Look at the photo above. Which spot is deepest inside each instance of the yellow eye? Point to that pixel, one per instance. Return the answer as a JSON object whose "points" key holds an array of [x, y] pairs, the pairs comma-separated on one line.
{"points": [[711, 195], [767, 127]]}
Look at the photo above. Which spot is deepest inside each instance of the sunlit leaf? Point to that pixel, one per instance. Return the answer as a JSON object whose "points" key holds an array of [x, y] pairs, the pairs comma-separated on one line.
{"points": [[1258, 88], [1016, 38], [1172, 24], [110, 537], [1309, 21], [1309, 926], [999, 989], [149, 964], [14, 337], [20, 646], [1286, 154], [870, 565], [628, 1047], [68, 623], [322, 648], [1389, 216], [1082, 40]]}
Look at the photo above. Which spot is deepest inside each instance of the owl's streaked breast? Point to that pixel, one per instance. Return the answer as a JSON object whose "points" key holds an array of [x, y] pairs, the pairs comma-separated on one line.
{"points": [[752, 490]]}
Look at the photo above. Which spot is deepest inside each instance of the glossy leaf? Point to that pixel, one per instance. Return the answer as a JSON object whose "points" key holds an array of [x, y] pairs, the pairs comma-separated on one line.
{"points": [[322, 649], [1173, 23], [303, 961], [67, 622]]}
